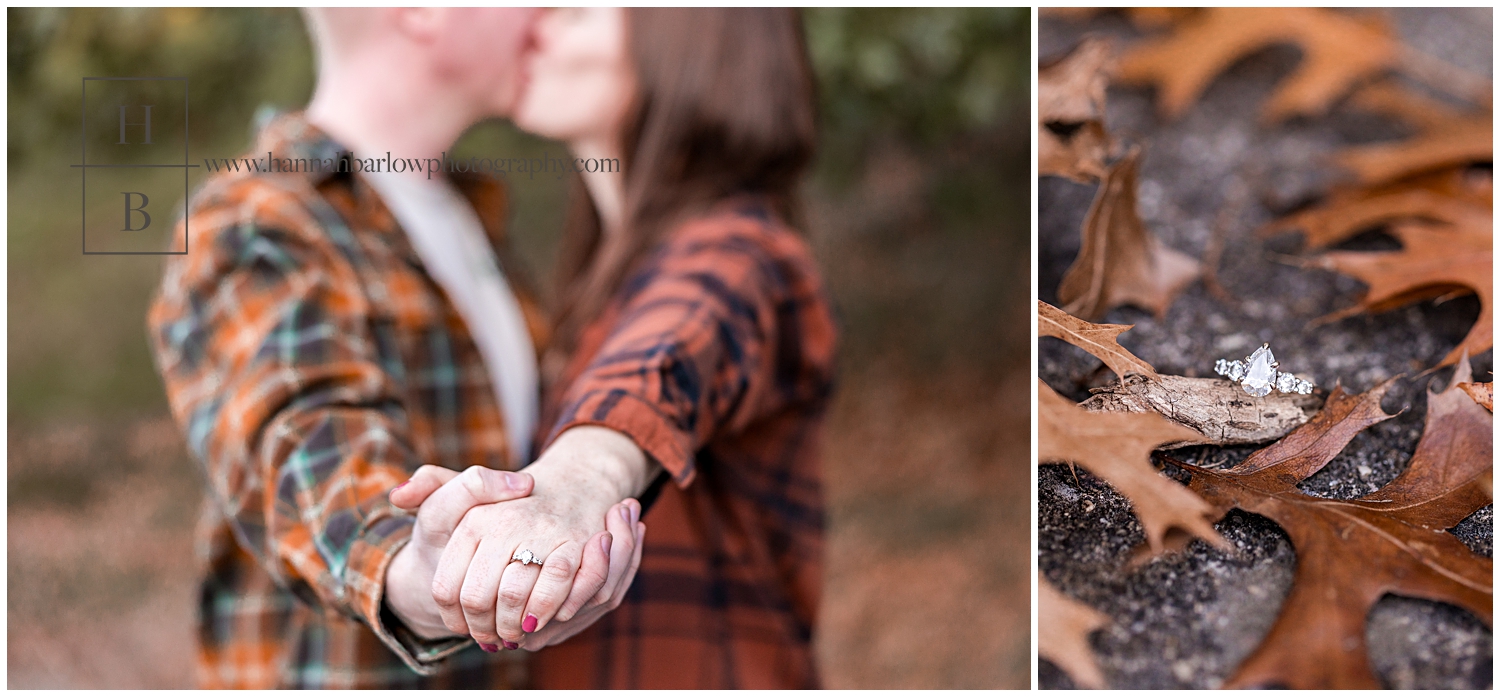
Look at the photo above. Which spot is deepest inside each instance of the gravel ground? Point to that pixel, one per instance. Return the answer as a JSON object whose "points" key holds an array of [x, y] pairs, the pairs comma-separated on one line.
{"points": [[1188, 621]]}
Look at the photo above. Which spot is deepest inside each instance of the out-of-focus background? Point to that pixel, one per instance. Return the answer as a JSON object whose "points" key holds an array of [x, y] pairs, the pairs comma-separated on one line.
{"points": [[918, 208]]}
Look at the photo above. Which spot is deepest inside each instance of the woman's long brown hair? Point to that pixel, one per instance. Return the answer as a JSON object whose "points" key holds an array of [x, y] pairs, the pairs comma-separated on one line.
{"points": [[725, 106]]}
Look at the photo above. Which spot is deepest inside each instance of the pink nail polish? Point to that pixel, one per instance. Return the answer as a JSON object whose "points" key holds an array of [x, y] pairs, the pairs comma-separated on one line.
{"points": [[528, 625], [490, 648], [510, 645], [398, 486]]}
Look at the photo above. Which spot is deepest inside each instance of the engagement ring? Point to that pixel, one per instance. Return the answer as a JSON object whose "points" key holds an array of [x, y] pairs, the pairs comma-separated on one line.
{"points": [[1258, 374], [526, 557]]}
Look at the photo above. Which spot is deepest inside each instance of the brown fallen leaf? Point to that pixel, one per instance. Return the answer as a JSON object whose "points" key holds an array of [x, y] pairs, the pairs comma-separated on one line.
{"points": [[1351, 553], [1071, 139], [1117, 447], [1338, 51], [1101, 340], [1062, 634], [1447, 196], [1217, 410], [1447, 137], [1434, 260], [1398, 101], [1483, 393], [1120, 262], [1443, 217]]}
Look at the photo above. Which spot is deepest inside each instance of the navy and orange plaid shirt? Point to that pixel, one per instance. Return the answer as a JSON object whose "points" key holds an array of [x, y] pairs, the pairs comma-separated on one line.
{"points": [[313, 365]]}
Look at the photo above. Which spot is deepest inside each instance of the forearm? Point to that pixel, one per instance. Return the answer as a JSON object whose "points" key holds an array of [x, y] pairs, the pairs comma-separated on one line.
{"points": [[715, 369]]}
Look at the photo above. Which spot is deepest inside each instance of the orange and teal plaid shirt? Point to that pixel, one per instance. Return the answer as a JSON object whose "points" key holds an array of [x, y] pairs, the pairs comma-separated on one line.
{"points": [[313, 365]]}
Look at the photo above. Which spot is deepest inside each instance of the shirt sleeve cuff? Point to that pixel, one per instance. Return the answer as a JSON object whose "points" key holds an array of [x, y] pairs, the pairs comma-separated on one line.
{"points": [[365, 585], [653, 432]]}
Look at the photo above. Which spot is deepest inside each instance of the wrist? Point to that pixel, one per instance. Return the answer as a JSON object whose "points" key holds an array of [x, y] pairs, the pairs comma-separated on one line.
{"points": [[597, 460], [408, 594]]}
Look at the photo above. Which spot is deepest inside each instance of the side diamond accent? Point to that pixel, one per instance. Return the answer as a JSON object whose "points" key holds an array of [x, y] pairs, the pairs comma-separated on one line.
{"points": [[1234, 370]]}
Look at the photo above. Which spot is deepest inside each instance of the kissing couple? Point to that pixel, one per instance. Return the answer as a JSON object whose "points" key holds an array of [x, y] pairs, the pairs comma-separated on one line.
{"points": [[419, 475]]}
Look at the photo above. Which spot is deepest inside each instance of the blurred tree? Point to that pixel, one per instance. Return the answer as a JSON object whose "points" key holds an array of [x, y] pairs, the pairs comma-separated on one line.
{"points": [[919, 75], [234, 59]]}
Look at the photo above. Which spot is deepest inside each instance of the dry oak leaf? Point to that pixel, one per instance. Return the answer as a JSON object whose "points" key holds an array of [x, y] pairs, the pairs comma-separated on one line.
{"points": [[1071, 140], [1120, 262], [1338, 50], [1446, 136], [1101, 340], [1063, 626], [1483, 393], [1452, 196], [1117, 447], [1435, 260], [1351, 553]]}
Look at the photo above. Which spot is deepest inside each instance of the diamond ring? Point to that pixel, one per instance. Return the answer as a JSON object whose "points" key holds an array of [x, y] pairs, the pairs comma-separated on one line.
{"points": [[1258, 374], [526, 557]]}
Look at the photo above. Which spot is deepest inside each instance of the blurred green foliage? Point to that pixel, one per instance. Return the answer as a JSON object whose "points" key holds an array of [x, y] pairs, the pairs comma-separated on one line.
{"points": [[234, 59], [932, 102], [923, 75]]}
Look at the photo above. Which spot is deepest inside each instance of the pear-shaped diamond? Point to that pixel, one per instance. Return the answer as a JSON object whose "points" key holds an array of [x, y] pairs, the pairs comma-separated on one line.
{"points": [[1259, 373]]}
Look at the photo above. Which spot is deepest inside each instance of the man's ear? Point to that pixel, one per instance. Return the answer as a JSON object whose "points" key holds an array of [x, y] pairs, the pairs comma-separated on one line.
{"points": [[422, 25]]}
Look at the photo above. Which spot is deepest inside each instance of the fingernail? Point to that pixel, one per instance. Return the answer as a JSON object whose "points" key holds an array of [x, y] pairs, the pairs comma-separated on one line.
{"points": [[606, 541], [513, 480], [634, 516], [510, 645], [625, 514], [398, 486], [528, 625], [490, 648]]}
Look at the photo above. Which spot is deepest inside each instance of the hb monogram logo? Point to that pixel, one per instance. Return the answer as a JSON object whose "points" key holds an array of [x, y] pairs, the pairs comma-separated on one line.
{"points": [[134, 145]]}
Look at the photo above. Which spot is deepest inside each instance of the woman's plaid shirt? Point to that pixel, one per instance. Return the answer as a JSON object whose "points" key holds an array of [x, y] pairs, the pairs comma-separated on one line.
{"points": [[716, 357], [313, 365]]}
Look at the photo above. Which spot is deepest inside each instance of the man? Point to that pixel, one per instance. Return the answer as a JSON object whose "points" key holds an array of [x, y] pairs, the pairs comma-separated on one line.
{"points": [[331, 331]]}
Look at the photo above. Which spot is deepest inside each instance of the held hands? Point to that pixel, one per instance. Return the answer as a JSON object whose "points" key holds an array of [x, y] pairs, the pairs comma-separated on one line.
{"points": [[456, 576]]}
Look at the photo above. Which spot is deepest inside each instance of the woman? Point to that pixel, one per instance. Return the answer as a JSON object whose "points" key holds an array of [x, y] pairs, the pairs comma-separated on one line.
{"points": [[694, 324]]}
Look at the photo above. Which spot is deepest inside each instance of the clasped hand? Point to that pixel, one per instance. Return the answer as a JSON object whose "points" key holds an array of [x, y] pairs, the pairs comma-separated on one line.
{"points": [[566, 509]]}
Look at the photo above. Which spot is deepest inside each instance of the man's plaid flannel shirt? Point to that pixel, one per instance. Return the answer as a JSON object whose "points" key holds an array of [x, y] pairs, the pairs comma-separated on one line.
{"points": [[313, 365]]}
